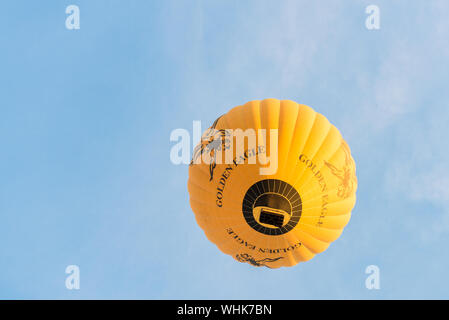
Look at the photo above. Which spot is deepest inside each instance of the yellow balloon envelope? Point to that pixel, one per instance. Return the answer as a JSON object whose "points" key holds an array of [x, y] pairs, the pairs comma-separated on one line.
{"points": [[272, 183]]}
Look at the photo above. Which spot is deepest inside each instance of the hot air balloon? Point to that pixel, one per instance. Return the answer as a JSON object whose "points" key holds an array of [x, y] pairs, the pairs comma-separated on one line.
{"points": [[281, 196]]}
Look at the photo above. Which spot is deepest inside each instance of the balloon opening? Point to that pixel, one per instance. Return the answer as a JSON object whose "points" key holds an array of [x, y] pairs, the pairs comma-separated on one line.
{"points": [[272, 210], [272, 207]]}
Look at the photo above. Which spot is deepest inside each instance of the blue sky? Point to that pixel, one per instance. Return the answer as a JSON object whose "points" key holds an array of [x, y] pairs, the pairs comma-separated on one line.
{"points": [[86, 117]]}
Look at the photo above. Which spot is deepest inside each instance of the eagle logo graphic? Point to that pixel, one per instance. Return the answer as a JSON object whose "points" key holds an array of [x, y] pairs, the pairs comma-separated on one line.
{"points": [[347, 177], [244, 257], [212, 142]]}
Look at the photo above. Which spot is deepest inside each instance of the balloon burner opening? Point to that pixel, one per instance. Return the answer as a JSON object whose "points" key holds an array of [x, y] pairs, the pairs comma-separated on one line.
{"points": [[271, 218]]}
